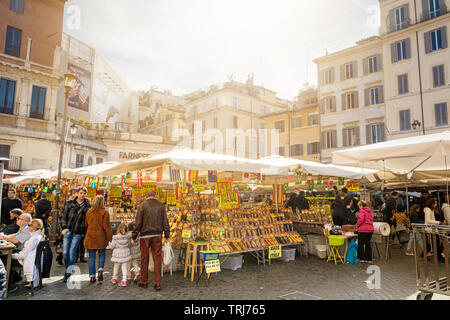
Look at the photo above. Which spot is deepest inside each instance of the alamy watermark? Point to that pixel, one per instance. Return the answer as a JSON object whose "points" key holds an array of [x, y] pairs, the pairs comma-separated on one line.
{"points": [[374, 281]]}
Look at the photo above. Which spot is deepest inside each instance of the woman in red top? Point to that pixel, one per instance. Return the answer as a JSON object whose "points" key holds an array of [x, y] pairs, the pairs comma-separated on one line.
{"points": [[364, 225]]}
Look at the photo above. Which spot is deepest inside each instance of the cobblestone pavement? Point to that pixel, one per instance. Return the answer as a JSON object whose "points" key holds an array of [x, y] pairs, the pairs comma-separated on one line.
{"points": [[309, 277]]}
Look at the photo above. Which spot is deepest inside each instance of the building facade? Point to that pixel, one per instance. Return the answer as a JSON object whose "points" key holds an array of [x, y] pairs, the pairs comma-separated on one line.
{"points": [[298, 128], [417, 66], [228, 119], [29, 82], [351, 94]]}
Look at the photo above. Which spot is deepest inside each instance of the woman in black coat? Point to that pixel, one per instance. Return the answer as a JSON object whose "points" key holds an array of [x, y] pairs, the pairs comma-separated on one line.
{"points": [[337, 211]]}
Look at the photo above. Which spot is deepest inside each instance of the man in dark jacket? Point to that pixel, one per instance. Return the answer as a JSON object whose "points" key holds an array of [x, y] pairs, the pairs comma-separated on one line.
{"points": [[13, 227], [43, 207], [151, 223], [290, 203], [347, 197], [73, 228], [301, 202], [421, 202], [9, 203], [390, 206]]}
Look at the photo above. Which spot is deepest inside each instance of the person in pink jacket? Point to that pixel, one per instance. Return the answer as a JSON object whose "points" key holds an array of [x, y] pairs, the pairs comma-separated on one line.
{"points": [[364, 225]]}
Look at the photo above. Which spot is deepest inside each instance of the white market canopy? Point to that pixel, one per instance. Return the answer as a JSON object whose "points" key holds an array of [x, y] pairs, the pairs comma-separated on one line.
{"points": [[316, 168], [426, 157], [187, 159], [28, 177], [90, 171]]}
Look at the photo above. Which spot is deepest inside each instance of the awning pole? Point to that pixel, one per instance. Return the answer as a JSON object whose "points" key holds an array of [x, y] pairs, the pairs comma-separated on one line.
{"points": [[276, 193], [446, 174], [407, 197]]}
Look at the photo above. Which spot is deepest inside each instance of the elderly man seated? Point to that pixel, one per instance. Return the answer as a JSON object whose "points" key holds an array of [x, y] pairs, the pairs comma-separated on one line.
{"points": [[27, 256], [19, 239], [22, 235]]}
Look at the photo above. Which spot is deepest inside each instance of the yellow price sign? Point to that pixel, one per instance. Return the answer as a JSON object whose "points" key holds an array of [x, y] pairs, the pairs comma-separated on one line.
{"points": [[198, 186], [186, 233], [212, 266], [92, 193], [115, 193], [171, 197], [275, 252]]}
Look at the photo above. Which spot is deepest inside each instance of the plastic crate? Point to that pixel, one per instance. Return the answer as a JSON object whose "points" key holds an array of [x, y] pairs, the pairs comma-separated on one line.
{"points": [[232, 262], [336, 240], [288, 254], [209, 255]]}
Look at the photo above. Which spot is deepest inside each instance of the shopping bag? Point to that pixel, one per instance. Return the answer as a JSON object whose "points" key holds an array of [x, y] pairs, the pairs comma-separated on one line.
{"points": [[167, 254]]}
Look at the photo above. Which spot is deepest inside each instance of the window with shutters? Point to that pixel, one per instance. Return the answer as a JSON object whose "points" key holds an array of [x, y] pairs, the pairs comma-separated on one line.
{"points": [[351, 137], [373, 64], [79, 161], [192, 128], [314, 148], [376, 133], [328, 76], [438, 76], [436, 40], [13, 40], [296, 122], [265, 109], [350, 100], [215, 122], [329, 104], [296, 150], [435, 10], [401, 50], [98, 160], [400, 22], [38, 103], [330, 139], [405, 120], [349, 71], [313, 119], [441, 116], [4, 153], [235, 122], [16, 5], [281, 151], [279, 125], [374, 96], [403, 84], [7, 95]]}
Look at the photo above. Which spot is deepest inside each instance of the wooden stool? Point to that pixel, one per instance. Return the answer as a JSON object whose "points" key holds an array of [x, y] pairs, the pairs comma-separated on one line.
{"points": [[194, 247]]}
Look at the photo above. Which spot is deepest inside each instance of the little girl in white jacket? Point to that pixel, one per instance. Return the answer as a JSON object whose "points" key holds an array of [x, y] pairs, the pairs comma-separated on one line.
{"points": [[121, 255]]}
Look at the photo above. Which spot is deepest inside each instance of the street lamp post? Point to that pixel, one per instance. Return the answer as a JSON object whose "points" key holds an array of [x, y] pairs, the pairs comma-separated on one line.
{"points": [[70, 80]]}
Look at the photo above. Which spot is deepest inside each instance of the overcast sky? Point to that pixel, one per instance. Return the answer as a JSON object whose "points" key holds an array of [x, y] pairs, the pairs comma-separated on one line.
{"points": [[186, 45]]}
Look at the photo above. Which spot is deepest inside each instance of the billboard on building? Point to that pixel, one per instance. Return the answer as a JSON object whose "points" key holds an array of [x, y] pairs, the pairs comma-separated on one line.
{"points": [[107, 104], [79, 96]]}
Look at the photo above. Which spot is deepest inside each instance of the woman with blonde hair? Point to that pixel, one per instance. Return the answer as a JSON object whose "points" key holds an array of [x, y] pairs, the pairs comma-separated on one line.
{"points": [[98, 235], [27, 256]]}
